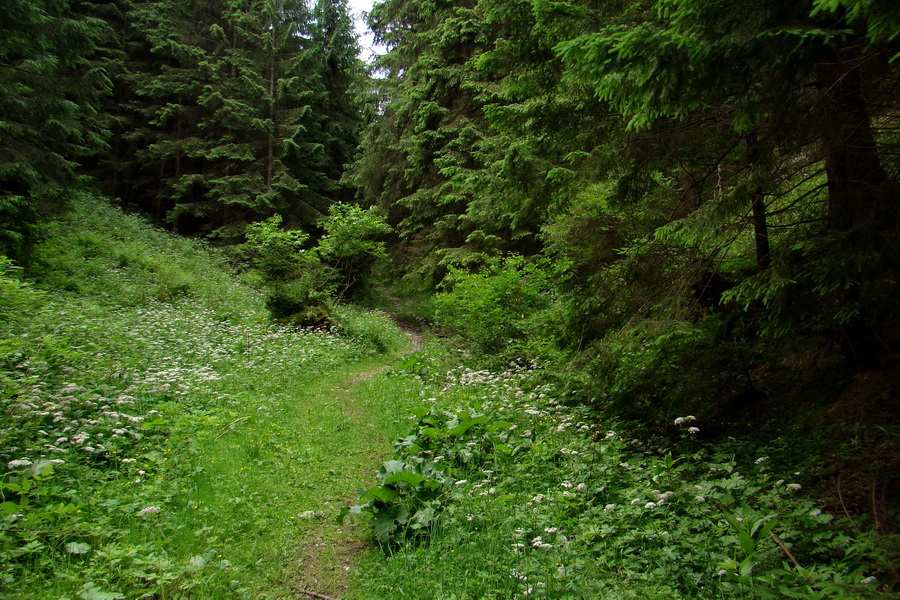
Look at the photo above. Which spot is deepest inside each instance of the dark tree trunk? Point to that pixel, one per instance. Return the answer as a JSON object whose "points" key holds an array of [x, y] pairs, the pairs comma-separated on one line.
{"points": [[758, 208], [761, 232], [856, 179]]}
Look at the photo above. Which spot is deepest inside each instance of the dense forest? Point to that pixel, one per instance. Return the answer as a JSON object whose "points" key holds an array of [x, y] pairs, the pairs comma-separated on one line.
{"points": [[694, 202], [673, 206]]}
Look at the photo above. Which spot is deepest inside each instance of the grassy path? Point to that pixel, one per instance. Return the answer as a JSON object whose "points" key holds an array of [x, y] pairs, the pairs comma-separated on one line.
{"points": [[325, 558], [281, 474]]}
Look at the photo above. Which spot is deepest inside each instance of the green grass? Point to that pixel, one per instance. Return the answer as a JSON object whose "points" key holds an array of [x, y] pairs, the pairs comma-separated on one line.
{"points": [[161, 439]]}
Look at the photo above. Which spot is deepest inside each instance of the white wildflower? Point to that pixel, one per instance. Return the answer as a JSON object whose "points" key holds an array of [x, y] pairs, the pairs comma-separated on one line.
{"points": [[145, 512], [21, 462]]}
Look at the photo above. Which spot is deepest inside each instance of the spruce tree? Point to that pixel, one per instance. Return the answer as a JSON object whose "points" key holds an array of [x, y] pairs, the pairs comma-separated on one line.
{"points": [[229, 132], [49, 96], [342, 75]]}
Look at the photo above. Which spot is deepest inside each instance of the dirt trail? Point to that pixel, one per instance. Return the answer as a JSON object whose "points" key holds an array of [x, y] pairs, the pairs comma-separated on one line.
{"points": [[325, 558]]}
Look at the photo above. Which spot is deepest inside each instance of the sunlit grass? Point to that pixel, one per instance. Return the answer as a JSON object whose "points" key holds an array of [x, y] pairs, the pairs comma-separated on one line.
{"points": [[196, 448]]}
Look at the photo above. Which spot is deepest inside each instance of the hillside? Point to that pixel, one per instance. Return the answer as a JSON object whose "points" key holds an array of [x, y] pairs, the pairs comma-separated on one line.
{"points": [[160, 437]]}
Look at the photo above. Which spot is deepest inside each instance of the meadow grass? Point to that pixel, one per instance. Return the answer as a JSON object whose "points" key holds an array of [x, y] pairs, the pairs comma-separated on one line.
{"points": [[161, 438]]}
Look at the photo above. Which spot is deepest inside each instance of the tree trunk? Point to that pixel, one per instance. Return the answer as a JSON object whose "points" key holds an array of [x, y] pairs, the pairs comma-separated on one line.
{"points": [[758, 208], [856, 179], [177, 149], [270, 157]]}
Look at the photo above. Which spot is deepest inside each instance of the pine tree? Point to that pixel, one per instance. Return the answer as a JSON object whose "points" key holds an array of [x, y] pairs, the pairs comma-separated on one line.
{"points": [[228, 130], [342, 75], [421, 161], [766, 107], [49, 96]]}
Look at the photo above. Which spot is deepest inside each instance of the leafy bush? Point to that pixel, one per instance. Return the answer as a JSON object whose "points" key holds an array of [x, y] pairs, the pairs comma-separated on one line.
{"points": [[504, 307], [295, 282], [351, 242], [406, 501], [299, 282]]}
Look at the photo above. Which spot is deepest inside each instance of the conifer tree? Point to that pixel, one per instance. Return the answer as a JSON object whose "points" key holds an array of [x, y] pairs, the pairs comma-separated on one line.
{"points": [[422, 160], [49, 96], [229, 132], [772, 106], [342, 75]]}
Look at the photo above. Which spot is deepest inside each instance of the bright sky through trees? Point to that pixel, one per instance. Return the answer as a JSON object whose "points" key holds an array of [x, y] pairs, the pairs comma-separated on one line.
{"points": [[366, 40]]}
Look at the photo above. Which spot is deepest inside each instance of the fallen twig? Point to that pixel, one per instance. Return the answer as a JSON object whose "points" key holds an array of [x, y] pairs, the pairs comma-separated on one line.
{"points": [[307, 592], [228, 427], [786, 551]]}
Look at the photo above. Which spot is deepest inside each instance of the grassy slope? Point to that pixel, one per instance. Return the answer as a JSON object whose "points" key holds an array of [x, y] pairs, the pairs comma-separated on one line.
{"points": [[160, 438]]}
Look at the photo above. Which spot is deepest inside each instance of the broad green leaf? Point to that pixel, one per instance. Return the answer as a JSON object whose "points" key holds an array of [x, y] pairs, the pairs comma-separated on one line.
{"points": [[77, 548], [378, 492], [409, 477]]}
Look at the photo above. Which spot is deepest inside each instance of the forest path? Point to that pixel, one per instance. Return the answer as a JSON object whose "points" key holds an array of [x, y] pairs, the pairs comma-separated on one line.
{"points": [[323, 565]]}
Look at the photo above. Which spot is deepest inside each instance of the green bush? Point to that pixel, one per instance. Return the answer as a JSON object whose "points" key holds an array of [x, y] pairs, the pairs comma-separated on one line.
{"points": [[295, 282], [506, 307]]}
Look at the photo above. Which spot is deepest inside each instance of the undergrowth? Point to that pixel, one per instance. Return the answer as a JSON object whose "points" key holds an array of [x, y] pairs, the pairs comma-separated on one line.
{"points": [[505, 488]]}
